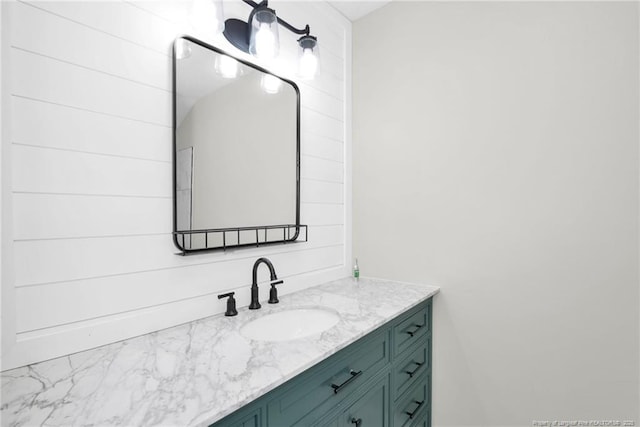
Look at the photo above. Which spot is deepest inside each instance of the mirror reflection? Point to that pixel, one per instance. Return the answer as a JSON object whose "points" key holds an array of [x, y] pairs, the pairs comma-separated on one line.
{"points": [[236, 136]]}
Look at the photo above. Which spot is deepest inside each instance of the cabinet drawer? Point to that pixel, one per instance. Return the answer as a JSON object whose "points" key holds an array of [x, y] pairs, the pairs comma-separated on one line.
{"points": [[371, 410], [326, 386], [412, 329], [410, 407], [412, 369]]}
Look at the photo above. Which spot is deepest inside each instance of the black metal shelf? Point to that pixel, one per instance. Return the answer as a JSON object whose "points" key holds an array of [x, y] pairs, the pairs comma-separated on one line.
{"points": [[192, 241]]}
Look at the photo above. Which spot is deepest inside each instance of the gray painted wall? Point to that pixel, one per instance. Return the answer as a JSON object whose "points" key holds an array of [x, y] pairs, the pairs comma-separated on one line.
{"points": [[496, 154]]}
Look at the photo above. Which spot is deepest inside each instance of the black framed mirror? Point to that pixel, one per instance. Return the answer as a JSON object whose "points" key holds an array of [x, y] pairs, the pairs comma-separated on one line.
{"points": [[236, 163]]}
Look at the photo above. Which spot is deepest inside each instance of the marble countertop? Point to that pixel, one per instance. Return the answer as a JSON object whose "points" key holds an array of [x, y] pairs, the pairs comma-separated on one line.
{"points": [[197, 373]]}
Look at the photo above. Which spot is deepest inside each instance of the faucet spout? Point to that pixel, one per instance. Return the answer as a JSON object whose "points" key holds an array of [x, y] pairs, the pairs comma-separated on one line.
{"points": [[266, 261], [254, 285]]}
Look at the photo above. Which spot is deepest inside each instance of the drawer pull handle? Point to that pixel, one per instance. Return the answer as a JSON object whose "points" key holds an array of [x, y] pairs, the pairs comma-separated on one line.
{"points": [[353, 376], [412, 414], [357, 422], [415, 331], [412, 373]]}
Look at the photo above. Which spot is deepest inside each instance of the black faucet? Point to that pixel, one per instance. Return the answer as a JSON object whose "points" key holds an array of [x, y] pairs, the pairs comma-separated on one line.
{"points": [[273, 294]]}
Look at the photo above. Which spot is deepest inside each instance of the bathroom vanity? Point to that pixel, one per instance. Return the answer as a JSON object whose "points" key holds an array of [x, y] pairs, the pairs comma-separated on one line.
{"points": [[382, 379], [371, 368]]}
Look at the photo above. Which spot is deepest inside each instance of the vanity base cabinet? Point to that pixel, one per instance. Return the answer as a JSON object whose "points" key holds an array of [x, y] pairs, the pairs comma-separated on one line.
{"points": [[381, 380]]}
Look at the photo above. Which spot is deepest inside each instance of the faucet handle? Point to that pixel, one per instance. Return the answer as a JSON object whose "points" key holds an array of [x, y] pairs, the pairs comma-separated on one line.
{"points": [[273, 293], [231, 303]]}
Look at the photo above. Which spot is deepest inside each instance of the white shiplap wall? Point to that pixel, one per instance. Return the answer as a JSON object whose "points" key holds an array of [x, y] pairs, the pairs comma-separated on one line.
{"points": [[87, 253]]}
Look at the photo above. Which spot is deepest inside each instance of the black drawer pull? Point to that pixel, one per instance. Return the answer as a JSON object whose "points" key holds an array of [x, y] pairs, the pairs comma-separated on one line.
{"points": [[412, 373], [353, 376], [415, 331], [357, 422], [412, 414]]}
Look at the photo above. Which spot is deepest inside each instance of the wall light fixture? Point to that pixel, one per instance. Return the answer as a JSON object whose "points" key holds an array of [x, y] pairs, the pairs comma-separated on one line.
{"points": [[259, 37]]}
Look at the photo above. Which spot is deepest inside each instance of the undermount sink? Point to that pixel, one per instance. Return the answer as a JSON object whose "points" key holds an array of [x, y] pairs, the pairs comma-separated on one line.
{"points": [[290, 324]]}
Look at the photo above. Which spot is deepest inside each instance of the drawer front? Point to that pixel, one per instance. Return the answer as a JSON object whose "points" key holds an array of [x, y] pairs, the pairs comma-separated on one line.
{"points": [[410, 407], [412, 369], [412, 329], [327, 386], [371, 410]]}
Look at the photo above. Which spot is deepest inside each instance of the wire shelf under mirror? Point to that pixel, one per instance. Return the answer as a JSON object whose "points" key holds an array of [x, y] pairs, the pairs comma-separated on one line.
{"points": [[193, 241]]}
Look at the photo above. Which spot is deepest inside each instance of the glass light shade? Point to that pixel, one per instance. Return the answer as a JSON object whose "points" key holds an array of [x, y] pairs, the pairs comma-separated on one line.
{"points": [[264, 42], [208, 16], [228, 67], [309, 58], [271, 84]]}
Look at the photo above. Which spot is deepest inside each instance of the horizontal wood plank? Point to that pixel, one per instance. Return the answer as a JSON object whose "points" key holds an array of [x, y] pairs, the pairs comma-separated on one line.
{"points": [[56, 216], [81, 45], [321, 124], [79, 87], [56, 126], [321, 169], [72, 172], [321, 147], [321, 192], [321, 213], [119, 19], [321, 102]]}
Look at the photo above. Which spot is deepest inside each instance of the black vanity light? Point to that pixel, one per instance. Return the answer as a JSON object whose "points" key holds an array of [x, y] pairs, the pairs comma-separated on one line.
{"points": [[259, 37]]}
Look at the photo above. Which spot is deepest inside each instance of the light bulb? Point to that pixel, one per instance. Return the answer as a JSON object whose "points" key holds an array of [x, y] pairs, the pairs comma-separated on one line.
{"points": [[271, 84], [309, 57], [265, 42], [308, 64], [227, 67]]}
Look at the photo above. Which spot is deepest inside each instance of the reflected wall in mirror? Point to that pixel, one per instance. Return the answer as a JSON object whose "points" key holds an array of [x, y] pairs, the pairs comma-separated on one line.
{"points": [[237, 152]]}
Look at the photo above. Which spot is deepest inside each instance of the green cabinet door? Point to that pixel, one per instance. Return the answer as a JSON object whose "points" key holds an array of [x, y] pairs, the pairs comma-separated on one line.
{"points": [[371, 410]]}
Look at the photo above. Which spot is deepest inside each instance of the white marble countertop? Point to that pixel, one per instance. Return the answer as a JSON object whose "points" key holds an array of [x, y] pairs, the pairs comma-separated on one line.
{"points": [[197, 373]]}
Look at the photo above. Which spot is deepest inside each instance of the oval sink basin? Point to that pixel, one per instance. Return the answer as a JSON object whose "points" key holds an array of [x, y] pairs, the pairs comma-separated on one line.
{"points": [[290, 324]]}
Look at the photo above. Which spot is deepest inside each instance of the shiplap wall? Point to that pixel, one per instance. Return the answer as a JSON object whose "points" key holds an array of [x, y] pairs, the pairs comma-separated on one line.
{"points": [[89, 201]]}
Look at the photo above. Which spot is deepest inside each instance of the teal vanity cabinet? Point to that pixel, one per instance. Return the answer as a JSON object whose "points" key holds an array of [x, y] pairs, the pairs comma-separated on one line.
{"points": [[381, 380]]}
